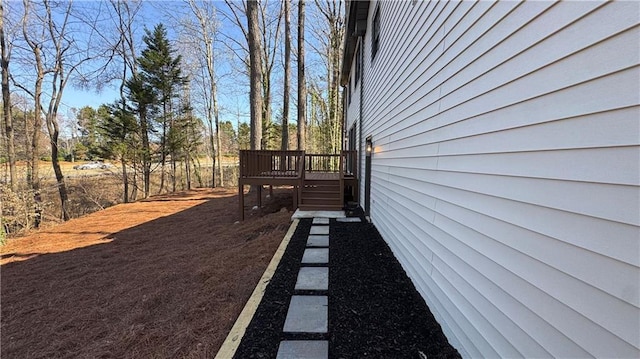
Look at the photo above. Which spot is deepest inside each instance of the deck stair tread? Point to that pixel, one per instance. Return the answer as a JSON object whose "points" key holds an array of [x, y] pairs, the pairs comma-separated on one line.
{"points": [[321, 194]]}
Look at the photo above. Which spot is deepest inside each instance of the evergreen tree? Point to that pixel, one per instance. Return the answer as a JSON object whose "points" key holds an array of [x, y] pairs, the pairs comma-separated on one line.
{"points": [[90, 138], [143, 97], [118, 125], [244, 141], [160, 70]]}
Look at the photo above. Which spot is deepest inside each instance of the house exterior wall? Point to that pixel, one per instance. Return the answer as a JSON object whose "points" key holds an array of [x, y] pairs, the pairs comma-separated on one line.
{"points": [[505, 172]]}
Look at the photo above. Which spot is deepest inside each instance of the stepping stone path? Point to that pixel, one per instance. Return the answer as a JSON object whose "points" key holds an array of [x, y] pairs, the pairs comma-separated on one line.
{"points": [[313, 278], [309, 313], [321, 221], [319, 230], [315, 256], [318, 240], [349, 219], [296, 349]]}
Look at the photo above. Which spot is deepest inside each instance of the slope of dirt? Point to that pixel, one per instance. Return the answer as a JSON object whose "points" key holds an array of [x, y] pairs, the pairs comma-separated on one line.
{"points": [[164, 278]]}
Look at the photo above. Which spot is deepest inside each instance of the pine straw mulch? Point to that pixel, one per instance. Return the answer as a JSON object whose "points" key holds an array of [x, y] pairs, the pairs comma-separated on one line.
{"points": [[162, 278]]}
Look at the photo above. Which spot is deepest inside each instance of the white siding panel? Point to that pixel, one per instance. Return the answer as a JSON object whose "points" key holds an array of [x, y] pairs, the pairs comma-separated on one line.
{"points": [[462, 310], [573, 326], [617, 90], [604, 129], [603, 165], [577, 295], [506, 170], [617, 241], [470, 299], [440, 305], [577, 101], [554, 252], [562, 195], [411, 86]]}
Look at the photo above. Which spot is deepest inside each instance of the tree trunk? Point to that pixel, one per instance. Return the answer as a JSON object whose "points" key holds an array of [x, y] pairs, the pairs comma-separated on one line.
{"points": [[213, 152], [302, 87], [208, 30], [134, 181], [6, 101], [216, 115], [187, 171], [125, 182], [266, 115], [34, 179], [146, 151], [287, 75], [255, 94], [52, 126], [163, 151]]}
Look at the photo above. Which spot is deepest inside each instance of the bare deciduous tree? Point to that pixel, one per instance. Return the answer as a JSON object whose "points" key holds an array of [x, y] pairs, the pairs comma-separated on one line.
{"points": [[57, 55], [302, 86], [205, 14], [124, 15], [269, 23], [6, 101], [270, 28], [328, 32], [35, 46], [287, 75], [255, 68]]}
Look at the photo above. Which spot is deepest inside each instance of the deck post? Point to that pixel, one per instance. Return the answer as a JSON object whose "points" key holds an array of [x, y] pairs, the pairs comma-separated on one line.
{"points": [[295, 198], [341, 169], [241, 199], [259, 193]]}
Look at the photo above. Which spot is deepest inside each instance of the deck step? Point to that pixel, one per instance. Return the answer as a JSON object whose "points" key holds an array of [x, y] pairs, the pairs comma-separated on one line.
{"points": [[322, 201], [316, 182], [334, 190], [318, 207], [321, 194]]}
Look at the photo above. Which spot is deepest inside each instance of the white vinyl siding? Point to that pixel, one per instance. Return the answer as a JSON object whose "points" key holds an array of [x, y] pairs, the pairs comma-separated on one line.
{"points": [[353, 107], [506, 169]]}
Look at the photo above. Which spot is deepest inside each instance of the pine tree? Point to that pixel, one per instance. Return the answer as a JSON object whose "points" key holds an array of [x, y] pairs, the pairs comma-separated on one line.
{"points": [[153, 92], [160, 69], [117, 124], [143, 97]]}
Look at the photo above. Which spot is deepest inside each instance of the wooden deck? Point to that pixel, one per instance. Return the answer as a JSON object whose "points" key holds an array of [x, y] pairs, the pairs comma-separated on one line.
{"points": [[318, 181], [322, 176]]}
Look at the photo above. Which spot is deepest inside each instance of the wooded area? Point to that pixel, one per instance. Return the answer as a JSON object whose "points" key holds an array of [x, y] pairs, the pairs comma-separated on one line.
{"points": [[172, 71]]}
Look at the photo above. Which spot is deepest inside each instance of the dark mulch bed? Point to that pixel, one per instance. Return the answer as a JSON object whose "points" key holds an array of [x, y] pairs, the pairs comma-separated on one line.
{"points": [[374, 309]]}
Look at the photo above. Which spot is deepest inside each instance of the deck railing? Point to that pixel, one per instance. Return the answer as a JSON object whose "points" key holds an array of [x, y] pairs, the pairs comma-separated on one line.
{"points": [[321, 163], [262, 163], [344, 163], [350, 162]]}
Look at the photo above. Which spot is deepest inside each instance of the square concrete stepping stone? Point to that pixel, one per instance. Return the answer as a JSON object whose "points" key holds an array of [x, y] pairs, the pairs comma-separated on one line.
{"points": [[307, 314], [348, 220], [318, 240], [321, 221], [315, 256], [313, 278], [319, 230], [303, 349]]}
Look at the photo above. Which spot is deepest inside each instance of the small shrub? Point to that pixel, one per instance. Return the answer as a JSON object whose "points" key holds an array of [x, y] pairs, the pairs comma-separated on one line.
{"points": [[17, 210], [3, 235]]}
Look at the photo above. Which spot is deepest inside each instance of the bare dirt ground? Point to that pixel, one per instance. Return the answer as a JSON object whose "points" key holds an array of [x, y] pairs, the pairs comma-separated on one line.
{"points": [[161, 278]]}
